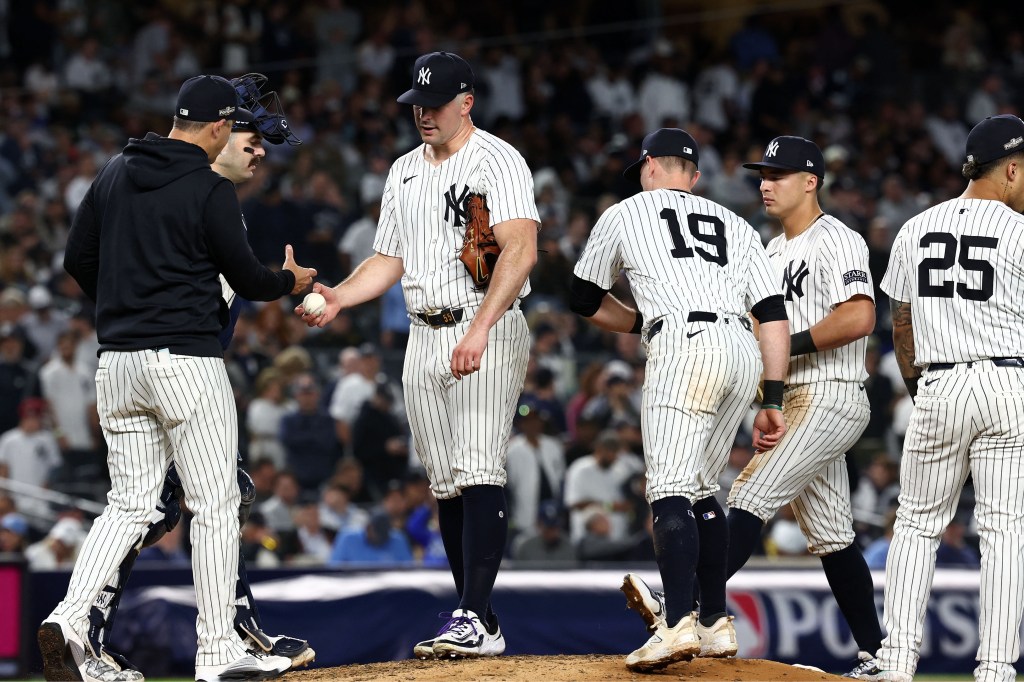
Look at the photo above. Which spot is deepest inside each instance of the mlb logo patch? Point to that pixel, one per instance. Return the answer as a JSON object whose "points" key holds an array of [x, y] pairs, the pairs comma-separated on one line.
{"points": [[855, 276], [707, 516]]}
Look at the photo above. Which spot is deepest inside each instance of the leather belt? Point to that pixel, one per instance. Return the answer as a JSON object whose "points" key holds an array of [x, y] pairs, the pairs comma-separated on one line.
{"points": [[701, 316], [698, 316], [446, 317], [998, 362]]}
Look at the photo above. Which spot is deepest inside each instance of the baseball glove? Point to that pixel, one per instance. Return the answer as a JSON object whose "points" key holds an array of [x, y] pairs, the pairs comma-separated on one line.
{"points": [[480, 250]]}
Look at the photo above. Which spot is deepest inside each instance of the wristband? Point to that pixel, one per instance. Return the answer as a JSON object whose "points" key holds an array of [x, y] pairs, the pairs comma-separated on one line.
{"points": [[772, 394], [772, 407], [638, 324], [801, 343]]}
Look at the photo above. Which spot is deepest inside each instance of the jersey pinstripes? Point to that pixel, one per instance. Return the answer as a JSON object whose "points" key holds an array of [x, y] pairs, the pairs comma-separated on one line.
{"points": [[808, 466], [460, 428], [960, 265], [156, 408], [965, 299], [820, 268], [422, 216], [680, 253]]}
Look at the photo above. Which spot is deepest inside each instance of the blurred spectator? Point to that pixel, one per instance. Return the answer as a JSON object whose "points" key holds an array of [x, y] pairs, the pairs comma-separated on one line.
{"points": [[547, 541], [29, 454], [784, 535], [876, 552], [535, 465], [378, 543], [739, 457], [264, 416], [881, 395], [953, 549], [394, 319], [311, 446], [277, 511], [598, 542], [313, 542], [663, 99], [357, 244], [263, 473], [59, 548], [897, 206], [259, 542], [540, 392], [44, 323], [72, 398], [876, 495], [353, 390], [596, 481], [167, 549], [616, 402], [337, 513], [15, 376], [422, 526], [13, 533], [379, 441], [349, 474]]}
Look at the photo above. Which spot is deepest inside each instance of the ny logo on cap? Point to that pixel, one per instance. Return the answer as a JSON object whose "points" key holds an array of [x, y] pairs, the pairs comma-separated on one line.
{"points": [[773, 148], [424, 77]]}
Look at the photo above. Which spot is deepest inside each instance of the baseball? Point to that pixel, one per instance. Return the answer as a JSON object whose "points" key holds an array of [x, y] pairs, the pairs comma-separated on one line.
{"points": [[314, 304]]}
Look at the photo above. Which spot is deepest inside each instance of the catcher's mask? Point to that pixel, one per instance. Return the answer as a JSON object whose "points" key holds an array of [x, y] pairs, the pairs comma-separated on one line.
{"points": [[266, 107]]}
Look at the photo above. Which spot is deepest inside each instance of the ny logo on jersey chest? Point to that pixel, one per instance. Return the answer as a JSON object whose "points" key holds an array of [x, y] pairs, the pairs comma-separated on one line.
{"points": [[456, 207], [793, 279]]}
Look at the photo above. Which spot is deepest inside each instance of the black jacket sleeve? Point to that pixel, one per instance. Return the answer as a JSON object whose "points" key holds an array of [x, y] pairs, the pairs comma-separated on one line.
{"points": [[225, 235], [82, 252]]}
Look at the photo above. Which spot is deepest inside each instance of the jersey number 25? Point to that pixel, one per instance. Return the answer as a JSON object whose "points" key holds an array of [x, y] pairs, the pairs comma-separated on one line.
{"points": [[949, 245]]}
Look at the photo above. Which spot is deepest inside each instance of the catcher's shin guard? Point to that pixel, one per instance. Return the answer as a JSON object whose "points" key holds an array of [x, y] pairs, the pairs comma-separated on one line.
{"points": [[249, 626]]}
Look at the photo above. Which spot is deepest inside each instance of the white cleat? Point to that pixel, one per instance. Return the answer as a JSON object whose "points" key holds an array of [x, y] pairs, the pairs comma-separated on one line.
{"points": [[465, 636], [645, 601], [253, 666], [666, 646], [719, 640]]}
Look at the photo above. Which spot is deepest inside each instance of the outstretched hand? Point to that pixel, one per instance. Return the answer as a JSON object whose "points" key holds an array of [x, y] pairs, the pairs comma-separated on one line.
{"points": [[303, 276], [331, 310]]}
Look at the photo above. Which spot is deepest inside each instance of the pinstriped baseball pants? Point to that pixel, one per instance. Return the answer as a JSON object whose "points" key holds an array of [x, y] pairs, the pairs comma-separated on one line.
{"points": [[965, 419], [808, 465], [461, 428], [699, 382], [156, 408]]}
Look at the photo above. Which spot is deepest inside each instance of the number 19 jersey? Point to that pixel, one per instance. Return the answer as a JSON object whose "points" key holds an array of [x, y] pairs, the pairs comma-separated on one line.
{"points": [[960, 265], [680, 253]]}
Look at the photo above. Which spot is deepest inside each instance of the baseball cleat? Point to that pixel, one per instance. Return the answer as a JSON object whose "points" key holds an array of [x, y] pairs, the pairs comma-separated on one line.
{"points": [[718, 640], [868, 669], [253, 666], [645, 601], [666, 646], [65, 657], [424, 650], [465, 636]]}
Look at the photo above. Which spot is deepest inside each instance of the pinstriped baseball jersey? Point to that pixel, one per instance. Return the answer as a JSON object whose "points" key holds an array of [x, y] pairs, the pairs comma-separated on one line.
{"points": [[825, 265], [960, 265], [680, 252], [422, 217]]}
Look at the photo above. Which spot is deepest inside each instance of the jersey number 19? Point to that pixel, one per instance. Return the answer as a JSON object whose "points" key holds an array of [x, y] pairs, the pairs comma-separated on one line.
{"points": [[693, 221]]}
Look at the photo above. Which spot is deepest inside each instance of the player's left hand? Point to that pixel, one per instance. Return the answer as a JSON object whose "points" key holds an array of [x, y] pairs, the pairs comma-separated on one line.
{"points": [[769, 427], [468, 353]]}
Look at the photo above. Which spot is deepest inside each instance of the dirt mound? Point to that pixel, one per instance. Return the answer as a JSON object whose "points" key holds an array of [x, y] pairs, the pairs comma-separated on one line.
{"points": [[560, 669]]}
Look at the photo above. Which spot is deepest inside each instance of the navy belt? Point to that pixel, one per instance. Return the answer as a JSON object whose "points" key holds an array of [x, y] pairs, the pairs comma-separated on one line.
{"points": [[446, 317], [998, 362], [701, 316], [697, 316]]}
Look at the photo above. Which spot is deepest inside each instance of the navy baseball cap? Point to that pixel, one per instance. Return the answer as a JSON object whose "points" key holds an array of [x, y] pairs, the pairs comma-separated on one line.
{"points": [[792, 153], [664, 142], [994, 138], [209, 98], [437, 78]]}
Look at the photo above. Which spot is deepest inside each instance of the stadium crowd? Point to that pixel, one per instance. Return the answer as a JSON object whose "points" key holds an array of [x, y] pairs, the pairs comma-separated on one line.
{"points": [[888, 94]]}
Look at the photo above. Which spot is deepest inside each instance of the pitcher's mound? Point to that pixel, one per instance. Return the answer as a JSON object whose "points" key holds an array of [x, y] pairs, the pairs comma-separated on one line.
{"points": [[560, 669]]}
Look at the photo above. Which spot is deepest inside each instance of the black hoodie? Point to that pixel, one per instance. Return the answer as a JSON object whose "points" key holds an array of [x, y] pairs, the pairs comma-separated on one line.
{"points": [[148, 241]]}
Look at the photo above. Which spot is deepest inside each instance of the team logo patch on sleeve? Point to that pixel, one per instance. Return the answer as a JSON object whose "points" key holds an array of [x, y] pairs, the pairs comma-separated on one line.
{"points": [[855, 276]]}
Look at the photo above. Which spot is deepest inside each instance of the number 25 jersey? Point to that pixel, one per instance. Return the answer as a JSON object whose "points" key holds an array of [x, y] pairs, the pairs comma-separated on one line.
{"points": [[680, 253], [960, 265]]}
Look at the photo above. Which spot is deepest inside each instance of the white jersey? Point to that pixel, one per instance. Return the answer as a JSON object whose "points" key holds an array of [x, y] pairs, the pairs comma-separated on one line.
{"points": [[825, 265], [680, 253], [422, 216], [961, 267]]}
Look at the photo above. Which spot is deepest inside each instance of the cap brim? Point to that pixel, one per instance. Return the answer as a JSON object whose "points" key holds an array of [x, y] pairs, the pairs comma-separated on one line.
{"points": [[778, 166], [632, 172], [243, 115], [422, 98]]}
